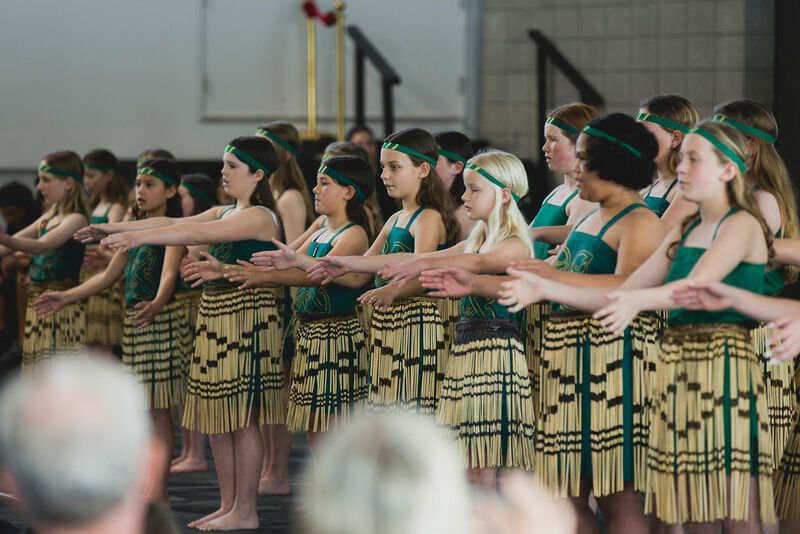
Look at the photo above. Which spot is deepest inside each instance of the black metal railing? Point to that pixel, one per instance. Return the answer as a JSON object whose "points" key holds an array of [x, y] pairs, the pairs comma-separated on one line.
{"points": [[546, 51], [389, 77]]}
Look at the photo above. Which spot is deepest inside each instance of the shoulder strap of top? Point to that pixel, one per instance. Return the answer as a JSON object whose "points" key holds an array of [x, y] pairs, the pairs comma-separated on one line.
{"points": [[673, 184], [564, 204], [689, 230], [416, 214], [650, 189], [549, 196], [584, 218], [340, 231], [108, 210], [226, 210], [618, 216], [730, 212]]}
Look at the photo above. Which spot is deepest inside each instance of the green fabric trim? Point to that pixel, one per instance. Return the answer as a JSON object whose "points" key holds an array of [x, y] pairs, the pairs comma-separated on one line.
{"points": [[342, 179], [452, 156], [196, 192], [285, 144], [563, 125], [599, 133], [325, 157], [63, 174], [156, 174], [722, 146], [242, 155], [102, 168], [746, 129], [662, 121], [410, 152], [492, 179]]}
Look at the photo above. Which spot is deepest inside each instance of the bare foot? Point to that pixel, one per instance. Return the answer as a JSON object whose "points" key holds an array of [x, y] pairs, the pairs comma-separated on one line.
{"points": [[197, 522], [273, 487], [178, 459], [189, 465], [232, 521]]}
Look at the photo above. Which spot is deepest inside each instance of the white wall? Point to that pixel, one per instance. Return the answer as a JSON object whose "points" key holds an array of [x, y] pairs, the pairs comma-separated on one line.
{"points": [[126, 75]]}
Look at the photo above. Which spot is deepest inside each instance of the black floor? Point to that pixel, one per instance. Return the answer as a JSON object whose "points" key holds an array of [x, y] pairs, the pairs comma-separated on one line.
{"points": [[194, 495]]}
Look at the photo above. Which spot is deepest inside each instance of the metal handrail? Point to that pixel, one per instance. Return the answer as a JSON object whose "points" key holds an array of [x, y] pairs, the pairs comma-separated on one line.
{"points": [[389, 77]]}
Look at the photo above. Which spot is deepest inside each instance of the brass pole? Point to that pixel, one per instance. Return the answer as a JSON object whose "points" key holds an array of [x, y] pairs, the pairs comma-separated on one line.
{"points": [[311, 46], [339, 7]]}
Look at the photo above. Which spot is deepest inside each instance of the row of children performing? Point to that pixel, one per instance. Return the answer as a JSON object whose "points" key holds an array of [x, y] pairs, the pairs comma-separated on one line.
{"points": [[563, 361]]}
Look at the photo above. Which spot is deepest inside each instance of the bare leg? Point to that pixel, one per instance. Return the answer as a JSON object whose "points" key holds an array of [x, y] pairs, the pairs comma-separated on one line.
{"points": [[184, 440], [753, 524], [162, 427], [623, 512], [193, 457], [485, 477], [587, 520], [274, 478], [247, 450], [222, 449]]}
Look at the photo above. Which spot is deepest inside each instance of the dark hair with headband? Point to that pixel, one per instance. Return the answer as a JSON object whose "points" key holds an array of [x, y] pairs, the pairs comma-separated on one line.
{"points": [[66, 163], [287, 175], [166, 169], [767, 169], [200, 183], [346, 148], [627, 159], [104, 160], [673, 108], [727, 141], [574, 115], [264, 153], [360, 174], [431, 193], [455, 143], [152, 153]]}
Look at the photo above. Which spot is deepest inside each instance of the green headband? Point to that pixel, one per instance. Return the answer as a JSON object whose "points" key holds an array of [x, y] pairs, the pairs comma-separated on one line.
{"points": [[342, 179], [156, 174], [563, 125], [746, 129], [452, 156], [722, 146], [647, 117], [196, 192], [282, 142], [64, 174], [599, 133], [492, 179], [102, 168], [242, 155], [325, 157], [409, 151]]}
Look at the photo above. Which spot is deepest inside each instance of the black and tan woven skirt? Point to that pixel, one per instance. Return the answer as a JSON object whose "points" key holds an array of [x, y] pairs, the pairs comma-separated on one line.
{"points": [[329, 372], [104, 312], [236, 370], [406, 342], [63, 333], [709, 427], [534, 319], [787, 476], [158, 354], [780, 389], [594, 402], [189, 301], [486, 398]]}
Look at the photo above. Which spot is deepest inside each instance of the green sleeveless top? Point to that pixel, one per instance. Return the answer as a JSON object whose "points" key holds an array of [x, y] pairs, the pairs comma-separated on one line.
{"points": [[143, 273], [659, 205], [748, 276], [549, 215], [231, 251], [589, 254], [398, 240], [100, 219], [63, 263], [473, 307], [329, 299]]}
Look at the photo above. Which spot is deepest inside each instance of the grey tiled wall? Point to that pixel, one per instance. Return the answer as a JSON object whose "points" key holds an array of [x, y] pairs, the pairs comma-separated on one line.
{"points": [[708, 50]]}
